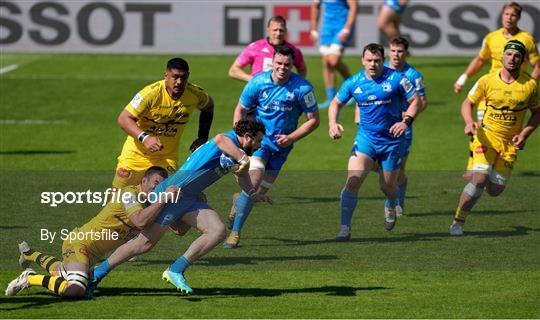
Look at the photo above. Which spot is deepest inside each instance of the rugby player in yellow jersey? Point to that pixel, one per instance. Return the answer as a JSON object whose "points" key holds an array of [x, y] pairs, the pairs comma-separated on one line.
{"points": [[118, 222], [155, 120], [508, 94], [492, 49]]}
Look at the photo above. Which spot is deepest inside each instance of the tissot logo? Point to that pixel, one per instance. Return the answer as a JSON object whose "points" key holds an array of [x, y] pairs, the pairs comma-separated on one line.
{"points": [[243, 24]]}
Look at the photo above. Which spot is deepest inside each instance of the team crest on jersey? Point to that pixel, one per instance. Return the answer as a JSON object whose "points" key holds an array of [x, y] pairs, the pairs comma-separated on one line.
{"points": [[290, 96], [123, 173], [387, 87], [84, 251]]}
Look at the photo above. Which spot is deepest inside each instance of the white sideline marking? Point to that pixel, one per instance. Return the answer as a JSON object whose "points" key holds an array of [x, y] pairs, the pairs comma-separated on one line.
{"points": [[79, 77], [31, 121], [9, 68]]}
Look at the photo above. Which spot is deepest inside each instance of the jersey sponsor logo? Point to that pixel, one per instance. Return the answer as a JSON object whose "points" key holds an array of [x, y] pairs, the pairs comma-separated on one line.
{"points": [[375, 102], [136, 101], [406, 84], [480, 149], [309, 99], [123, 173], [420, 84], [387, 87], [372, 97], [267, 64]]}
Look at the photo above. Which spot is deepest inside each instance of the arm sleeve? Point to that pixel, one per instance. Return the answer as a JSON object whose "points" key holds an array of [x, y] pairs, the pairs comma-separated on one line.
{"points": [[344, 93], [308, 100], [245, 57], [485, 52], [130, 202], [249, 95], [476, 94], [140, 103]]}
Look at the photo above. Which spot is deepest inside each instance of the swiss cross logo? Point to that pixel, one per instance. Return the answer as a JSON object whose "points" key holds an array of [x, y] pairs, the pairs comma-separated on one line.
{"points": [[297, 23]]}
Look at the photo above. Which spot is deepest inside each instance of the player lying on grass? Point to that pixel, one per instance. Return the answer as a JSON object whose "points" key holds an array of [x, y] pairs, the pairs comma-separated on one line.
{"points": [[227, 152], [125, 219]]}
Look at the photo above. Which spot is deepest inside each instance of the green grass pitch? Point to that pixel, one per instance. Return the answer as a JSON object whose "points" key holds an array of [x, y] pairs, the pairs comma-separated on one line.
{"points": [[288, 265]]}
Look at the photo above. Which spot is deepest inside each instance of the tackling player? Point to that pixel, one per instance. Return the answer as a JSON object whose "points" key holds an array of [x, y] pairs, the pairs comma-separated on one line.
{"points": [[69, 278], [201, 169], [279, 97], [508, 94], [336, 32], [155, 120], [379, 92]]}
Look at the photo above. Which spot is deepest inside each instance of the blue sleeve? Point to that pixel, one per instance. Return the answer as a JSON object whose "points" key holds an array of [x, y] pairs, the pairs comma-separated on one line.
{"points": [[406, 88], [344, 93], [250, 95], [308, 102], [418, 83]]}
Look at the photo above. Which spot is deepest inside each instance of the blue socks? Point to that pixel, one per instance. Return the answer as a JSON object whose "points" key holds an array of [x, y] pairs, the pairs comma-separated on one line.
{"points": [[101, 270], [330, 93], [180, 265], [390, 203], [401, 191], [244, 205], [348, 204]]}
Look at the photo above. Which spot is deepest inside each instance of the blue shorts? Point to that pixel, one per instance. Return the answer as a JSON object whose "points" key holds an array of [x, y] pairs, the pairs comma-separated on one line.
{"points": [[174, 211], [388, 156], [330, 33], [395, 6], [274, 159]]}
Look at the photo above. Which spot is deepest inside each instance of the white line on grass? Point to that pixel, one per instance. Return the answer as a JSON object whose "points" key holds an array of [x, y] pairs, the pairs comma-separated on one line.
{"points": [[78, 77], [9, 68], [32, 122]]}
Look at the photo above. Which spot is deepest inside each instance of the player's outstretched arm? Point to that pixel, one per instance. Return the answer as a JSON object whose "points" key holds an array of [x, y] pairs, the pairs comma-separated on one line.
{"points": [[535, 73], [128, 123], [205, 123], [334, 128], [473, 68], [351, 18], [237, 72], [520, 139], [145, 217]]}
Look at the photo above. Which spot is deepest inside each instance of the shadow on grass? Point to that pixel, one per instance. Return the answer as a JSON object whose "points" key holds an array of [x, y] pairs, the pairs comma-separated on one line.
{"points": [[450, 214], [35, 152], [35, 300], [205, 293], [413, 237], [228, 261]]}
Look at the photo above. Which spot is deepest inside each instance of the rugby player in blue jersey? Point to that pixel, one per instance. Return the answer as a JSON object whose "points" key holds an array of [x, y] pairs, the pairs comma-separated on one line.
{"points": [[399, 49], [224, 153], [279, 98], [379, 92], [336, 32]]}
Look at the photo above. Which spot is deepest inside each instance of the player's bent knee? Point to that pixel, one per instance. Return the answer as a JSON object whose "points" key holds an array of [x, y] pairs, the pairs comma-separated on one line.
{"points": [[73, 291], [473, 191]]}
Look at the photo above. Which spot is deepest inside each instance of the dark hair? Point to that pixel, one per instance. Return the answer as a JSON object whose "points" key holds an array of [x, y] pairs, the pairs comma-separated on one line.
{"points": [[374, 48], [400, 41], [250, 126], [156, 170], [178, 63], [515, 6], [284, 51], [278, 19]]}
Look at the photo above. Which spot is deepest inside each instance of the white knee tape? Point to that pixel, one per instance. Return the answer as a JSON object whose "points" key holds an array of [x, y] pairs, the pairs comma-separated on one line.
{"points": [[266, 184], [497, 178], [78, 278], [256, 164], [473, 191]]}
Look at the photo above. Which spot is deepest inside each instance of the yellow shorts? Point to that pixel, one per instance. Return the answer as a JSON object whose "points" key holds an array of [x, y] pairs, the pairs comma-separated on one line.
{"points": [[129, 172], [493, 153], [77, 252], [480, 110]]}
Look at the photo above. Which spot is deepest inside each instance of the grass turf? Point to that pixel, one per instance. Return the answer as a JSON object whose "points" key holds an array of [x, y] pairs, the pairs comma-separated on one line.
{"points": [[288, 265]]}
